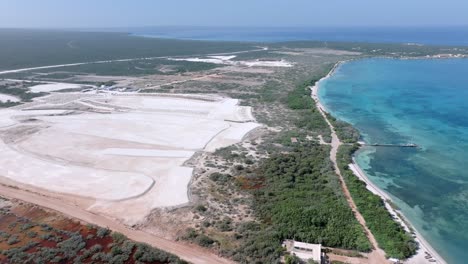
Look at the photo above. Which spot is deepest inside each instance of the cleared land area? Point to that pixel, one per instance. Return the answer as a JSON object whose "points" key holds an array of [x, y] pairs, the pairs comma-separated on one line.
{"points": [[5, 98], [124, 154]]}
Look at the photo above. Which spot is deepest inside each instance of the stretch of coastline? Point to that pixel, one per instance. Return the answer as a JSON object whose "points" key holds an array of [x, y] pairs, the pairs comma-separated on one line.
{"points": [[426, 253]]}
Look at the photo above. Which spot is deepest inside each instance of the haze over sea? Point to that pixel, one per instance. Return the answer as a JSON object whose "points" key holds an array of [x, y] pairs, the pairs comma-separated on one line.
{"points": [[454, 36], [418, 101]]}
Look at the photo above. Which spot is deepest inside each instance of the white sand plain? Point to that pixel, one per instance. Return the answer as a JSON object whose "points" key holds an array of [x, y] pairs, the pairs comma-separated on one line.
{"points": [[127, 161], [227, 60], [6, 97], [50, 87]]}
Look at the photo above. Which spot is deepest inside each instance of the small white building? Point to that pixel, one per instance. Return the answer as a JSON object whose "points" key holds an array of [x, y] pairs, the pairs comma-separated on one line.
{"points": [[304, 251]]}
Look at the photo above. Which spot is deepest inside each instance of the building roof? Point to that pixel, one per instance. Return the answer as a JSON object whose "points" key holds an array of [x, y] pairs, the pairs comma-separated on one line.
{"points": [[305, 251]]}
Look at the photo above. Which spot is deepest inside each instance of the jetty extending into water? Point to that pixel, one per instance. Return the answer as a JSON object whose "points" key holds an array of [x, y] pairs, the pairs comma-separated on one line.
{"points": [[407, 145]]}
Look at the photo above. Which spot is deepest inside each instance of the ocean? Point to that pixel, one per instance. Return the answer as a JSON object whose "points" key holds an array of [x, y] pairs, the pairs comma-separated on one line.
{"points": [[452, 36], [412, 101]]}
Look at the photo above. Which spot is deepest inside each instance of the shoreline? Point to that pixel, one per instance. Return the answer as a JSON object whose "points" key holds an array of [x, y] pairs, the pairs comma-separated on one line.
{"points": [[425, 248], [424, 245]]}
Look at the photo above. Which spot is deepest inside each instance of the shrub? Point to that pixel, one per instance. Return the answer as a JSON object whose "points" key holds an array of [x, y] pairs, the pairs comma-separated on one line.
{"points": [[31, 234], [225, 224], [201, 208], [13, 240], [102, 232], [26, 226], [204, 240], [239, 167], [220, 178], [118, 237]]}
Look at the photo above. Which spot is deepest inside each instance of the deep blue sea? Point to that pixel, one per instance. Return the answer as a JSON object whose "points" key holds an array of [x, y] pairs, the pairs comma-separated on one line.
{"points": [[420, 101], [457, 36]]}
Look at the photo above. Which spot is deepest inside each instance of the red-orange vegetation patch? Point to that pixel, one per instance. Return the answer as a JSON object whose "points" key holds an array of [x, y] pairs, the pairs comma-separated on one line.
{"points": [[29, 223], [104, 242], [67, 224], [249, 183], [47, 243]]}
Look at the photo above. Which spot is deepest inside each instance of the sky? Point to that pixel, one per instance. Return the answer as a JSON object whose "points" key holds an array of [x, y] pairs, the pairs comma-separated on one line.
{"points": [[245, 13]]}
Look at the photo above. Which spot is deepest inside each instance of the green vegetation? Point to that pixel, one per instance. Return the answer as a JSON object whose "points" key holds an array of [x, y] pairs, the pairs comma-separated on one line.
{"points": [[390, 235], [302, 200], [21, 91], [121, 68], [296, 194], [377, 49], [299, 98], [292, 259], [62, 47], [309, 118], [200, 239], [345, 132]]}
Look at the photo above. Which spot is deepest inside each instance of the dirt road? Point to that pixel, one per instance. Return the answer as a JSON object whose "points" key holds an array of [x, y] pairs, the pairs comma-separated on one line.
{"points": [[377, 256], [191, 253]]}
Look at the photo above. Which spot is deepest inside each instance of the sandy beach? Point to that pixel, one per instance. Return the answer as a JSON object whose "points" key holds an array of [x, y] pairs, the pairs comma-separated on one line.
{"points": [[425, 248], [425, 254]]}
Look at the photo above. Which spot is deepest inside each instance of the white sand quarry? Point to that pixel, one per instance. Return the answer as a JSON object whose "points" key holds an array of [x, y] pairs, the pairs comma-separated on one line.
{"points": [[126, 154], [8, 98], [50, 87], [227, 60]]}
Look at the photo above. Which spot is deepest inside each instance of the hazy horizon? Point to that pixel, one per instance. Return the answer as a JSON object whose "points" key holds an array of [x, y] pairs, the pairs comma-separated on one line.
{"points": [[55, 14], [115, 28]]}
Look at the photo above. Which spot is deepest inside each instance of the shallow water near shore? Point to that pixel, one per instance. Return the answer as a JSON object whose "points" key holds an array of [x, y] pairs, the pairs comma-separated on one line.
{"points": [[412, 101]]}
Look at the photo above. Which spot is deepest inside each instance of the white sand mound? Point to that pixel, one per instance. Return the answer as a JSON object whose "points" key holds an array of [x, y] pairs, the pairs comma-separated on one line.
{"points": [[66, 178], [227, 60], [50, 87], [259, 63], [8, 98]]}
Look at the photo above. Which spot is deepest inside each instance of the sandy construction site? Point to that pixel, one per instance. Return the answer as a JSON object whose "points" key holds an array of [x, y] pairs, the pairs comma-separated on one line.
{"points": [[123, 154]]}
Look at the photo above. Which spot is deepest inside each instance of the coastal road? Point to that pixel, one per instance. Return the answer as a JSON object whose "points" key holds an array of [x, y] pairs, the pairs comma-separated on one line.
{"points": [[377, 256], [191, 253]]}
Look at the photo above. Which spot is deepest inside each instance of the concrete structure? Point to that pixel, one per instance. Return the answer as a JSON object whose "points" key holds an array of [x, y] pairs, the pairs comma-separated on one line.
{"points": [[304, 251]]}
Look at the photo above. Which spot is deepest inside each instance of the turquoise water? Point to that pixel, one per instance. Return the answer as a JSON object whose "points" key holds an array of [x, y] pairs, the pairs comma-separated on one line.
{"points": [[420, 101]]}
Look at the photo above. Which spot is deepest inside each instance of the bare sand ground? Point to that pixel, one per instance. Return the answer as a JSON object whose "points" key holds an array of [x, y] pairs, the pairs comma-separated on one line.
{"points": [[50, 87], [126, 152], [227, 60], [6, 97]]}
